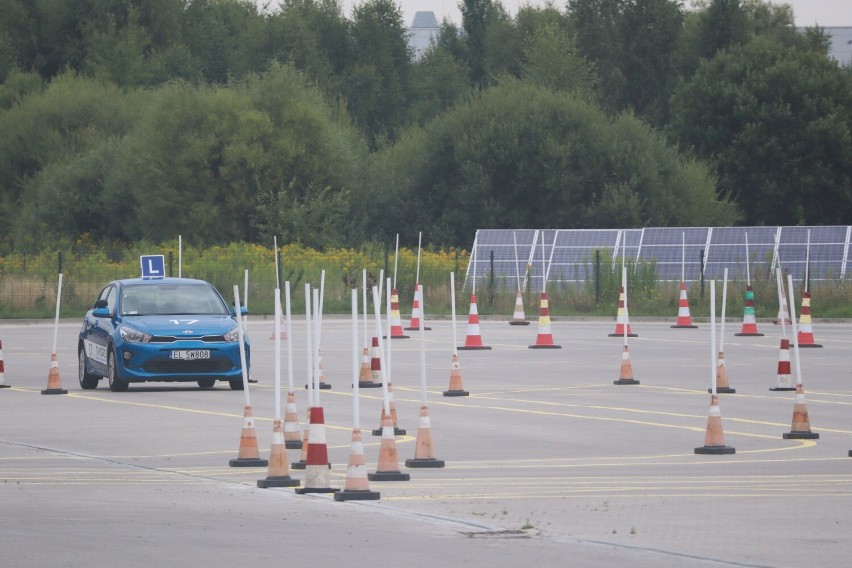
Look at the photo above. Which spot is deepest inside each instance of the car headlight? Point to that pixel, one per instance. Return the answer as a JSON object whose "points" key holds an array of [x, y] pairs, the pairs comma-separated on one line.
{"points": [[131, 335], [232, 336]]}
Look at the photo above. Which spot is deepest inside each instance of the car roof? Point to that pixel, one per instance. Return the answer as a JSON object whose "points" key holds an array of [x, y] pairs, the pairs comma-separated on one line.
{"points": [[151, 281]]}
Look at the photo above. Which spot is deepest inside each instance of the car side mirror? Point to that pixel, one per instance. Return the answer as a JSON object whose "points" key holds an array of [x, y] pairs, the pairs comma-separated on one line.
{"points": [[101, 312], [101, 304], [243, 311]]}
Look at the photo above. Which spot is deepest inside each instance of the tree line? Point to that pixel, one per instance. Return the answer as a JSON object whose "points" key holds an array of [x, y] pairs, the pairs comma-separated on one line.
{"points": [[129, 119]]}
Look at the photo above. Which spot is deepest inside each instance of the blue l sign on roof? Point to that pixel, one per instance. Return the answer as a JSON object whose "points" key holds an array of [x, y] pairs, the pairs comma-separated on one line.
{"points": [[153, 266]]}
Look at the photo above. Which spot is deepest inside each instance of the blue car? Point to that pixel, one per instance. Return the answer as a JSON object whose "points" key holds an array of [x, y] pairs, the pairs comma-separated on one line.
{"points": [[167, 329]]}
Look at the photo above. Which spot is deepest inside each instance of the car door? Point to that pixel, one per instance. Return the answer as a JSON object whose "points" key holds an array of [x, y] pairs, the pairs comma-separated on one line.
{"points": [[98, 331]]}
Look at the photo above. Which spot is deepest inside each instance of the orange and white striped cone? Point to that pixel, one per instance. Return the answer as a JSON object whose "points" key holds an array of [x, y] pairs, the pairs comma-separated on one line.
{"points": [[278, 474], [3, 384], [322, 382], [456, 388], [356, 487], [281, 336], [424, 450], [414, 324], [684, 320], [54, 384], [519, 317], [749, 328], [317, 476], [396, 323], [303, 457], [801, 426], [387, 468], [783, 382], [473, 340], [392, 405], [544, 339], [625, 375], [365, 374], [783, 312], [248, 455], [622, 318], [714, 437], [723, 383], [806, 333], [292, 432]]}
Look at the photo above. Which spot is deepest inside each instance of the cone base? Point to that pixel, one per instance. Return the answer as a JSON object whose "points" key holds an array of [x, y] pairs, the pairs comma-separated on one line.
{"points": [[513, 322], [298, 465], [303, 490], [801, 436], [369, 385], [397, 337], [724, 390], [622, 335], [248, 462], [322, 386], [806, 345], [388, 476], [625, 382], [783, 389], [54, 391], [357, 495], [684, 327], [424, 462], [293, 444], [417, 329], [544, 347], [278, 481], [715, 450], [748, 334], [396, 432], [5, 386], [474, 348], [456, 393], [850, 453]]}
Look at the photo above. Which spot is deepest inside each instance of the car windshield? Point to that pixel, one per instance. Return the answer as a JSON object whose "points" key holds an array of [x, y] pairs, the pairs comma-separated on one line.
{"points": [[171, 299]]}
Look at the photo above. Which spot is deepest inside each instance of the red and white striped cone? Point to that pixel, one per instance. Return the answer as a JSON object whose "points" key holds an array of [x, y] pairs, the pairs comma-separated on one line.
{"points": [[365, 374], [544, 339], [303, 457], [424, 450], [317, 476], [622, 318], [375, 367], [801, 425], [519, 317], [473, 340], [625, 375], [806, 333], [714, 437], [278, 474], [356, 487], [392, 405], [684, 320], [396, 323], [749, 328], [456, 388], [3, 384], [723, 384], [248, 455], [388, 464], [292, 432], [414, 324], [783, 382], [54, 383], [783, 312]]}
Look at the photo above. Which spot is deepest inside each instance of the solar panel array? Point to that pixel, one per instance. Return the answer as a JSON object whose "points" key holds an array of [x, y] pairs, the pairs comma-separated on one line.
{"points": [[509, 257]]}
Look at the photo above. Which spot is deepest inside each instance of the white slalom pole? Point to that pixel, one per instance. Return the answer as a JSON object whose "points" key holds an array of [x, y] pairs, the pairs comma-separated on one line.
{"points": [[367, 343], [315, 353], [245, 300], [389, 352], [277, 271], [473, 261], [395, 261], [377, 310], [422, 349], [807, 261], [791, 299], [517, 262], [180, 255], [453, 309], [780, 288], [543, 267], [417, 276], [748, 269], [382, 285], [355, 362], [713, 336], [289, 337], [724, 303], [624, 285], [320, 304], [309, 350], [242, 344], [56, 319], [277, 327], [683, 257]]}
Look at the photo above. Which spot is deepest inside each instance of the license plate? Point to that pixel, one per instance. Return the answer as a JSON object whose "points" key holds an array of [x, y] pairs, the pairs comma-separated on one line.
{"points": [[190, 354]]}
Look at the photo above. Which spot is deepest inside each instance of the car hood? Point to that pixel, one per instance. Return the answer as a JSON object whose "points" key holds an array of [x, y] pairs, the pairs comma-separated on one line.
{"points": [[183, 326]]}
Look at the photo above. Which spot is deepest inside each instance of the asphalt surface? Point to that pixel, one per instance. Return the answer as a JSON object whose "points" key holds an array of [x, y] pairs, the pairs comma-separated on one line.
{"points": [[547, 461]]}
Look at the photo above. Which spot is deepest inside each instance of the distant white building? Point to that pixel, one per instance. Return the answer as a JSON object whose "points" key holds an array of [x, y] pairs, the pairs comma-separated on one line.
{"points": [[424, 28]]}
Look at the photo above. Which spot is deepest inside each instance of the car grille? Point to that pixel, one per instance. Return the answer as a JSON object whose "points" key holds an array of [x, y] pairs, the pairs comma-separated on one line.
{"points": [[172, 339], [169, 366]]}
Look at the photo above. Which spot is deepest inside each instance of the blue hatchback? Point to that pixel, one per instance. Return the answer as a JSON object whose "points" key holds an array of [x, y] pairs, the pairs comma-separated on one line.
{"points": [[167, 329]]}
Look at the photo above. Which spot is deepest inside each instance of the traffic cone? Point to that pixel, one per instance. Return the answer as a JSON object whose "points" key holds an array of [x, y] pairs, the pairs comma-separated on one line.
{"points": [[3, 384], [392, 405], [456, 388], [424, 451], [375, 368], [544, 339], [388, 465], [322, 383], [801, 427], [783, 312], [292, 435], [415, 310], [684, 320], [278, 474], [365, 375], [622, 319], [54, 385], [625, 376], [723, 384], [473, 341], [248, 455], [749, 323], [714, 437], [303, 457], [519, 317], [396, 324], [783, 382], [281, 336], [356, 487], [806, 333], [317, 477]]}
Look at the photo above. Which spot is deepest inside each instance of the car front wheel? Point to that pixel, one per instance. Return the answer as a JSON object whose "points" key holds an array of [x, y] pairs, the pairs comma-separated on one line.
{"points": [[87, 381], [115, 383], [236, 384], [206, 383]]}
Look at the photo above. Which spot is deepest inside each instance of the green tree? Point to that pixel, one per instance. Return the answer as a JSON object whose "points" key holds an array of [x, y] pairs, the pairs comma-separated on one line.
{"points": [[551, 59]]}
